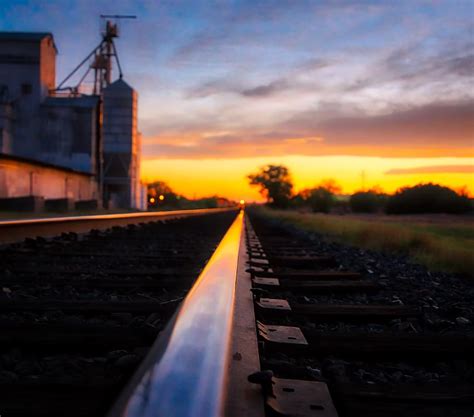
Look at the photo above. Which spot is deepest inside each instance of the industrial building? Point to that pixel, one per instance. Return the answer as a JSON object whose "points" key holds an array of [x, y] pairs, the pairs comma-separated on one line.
{"points": [[59, 147]]}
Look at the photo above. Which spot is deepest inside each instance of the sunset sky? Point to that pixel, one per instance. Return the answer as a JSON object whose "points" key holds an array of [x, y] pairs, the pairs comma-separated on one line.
{"points": [[365, 92]]}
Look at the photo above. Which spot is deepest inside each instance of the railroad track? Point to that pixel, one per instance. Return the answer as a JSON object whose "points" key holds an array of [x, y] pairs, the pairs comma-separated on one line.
{"points": [[335, 341], [150, 320], [79, 312]]}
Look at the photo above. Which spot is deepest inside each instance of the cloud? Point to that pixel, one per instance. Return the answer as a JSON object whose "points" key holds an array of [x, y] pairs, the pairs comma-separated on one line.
{"points": [[283, 77], [411, 66], [436, 69], [435, 169], [434, 130], [461, 65], [297, 78], [235, 86], [229, 145], [313, 64], [226, 85], [394, 75], [266, 89], [212, 87], [439, 124]]}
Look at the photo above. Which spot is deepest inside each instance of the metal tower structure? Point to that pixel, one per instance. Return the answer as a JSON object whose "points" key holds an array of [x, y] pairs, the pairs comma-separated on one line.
{"points": [[102, 56]]}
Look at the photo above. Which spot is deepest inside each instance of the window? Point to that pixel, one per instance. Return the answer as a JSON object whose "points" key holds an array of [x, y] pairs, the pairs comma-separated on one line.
{"points": [[26, 89]]}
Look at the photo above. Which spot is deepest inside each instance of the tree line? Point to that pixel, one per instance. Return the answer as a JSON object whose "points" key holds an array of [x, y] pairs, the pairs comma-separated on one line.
{"points": [[161, 197], [276, 186]]}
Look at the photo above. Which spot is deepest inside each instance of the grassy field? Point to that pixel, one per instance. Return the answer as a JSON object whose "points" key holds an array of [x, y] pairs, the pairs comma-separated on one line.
{"points": [[440, 242]]}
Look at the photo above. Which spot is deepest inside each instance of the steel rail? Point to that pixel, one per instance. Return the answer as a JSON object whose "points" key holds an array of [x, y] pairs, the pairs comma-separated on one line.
{"points": [[110, 216], [14, 230], [184, 374]]}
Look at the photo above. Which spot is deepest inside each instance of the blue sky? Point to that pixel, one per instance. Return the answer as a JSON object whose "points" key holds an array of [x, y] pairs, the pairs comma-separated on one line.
{"points": [[232, 78]]}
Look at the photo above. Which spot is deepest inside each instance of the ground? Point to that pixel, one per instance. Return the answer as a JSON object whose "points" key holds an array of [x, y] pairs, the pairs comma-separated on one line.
{"points": [[441, 242]]}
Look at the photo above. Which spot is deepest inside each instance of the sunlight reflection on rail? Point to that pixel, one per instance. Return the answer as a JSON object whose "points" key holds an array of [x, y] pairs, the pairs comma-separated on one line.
{"points": [[189, 379]]}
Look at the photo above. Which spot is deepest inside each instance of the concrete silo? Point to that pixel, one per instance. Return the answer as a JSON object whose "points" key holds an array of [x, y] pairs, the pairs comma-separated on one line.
{"points": [[121, 147]]}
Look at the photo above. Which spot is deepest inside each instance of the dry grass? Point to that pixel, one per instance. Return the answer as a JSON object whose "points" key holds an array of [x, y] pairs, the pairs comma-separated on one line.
{"points": [[441, 246]]}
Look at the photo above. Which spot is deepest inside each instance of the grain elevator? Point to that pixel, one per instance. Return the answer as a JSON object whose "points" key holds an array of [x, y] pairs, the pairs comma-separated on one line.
{"points": [[62, 146]]}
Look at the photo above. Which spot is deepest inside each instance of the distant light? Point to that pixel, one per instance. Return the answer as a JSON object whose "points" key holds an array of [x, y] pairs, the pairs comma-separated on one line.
{"points": [[161, 197], [152, 200], [242, 202]]}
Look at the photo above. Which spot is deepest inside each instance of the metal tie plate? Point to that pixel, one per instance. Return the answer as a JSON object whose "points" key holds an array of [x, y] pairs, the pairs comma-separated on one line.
{"points": [[263, 263], [281, 334], [274, 282], [258, 256], [274, 304], [261, 270], [297, 398]]}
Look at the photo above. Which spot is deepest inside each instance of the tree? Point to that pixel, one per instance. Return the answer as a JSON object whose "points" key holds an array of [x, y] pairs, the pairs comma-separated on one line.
{"points": [[368, 201], [330, 185], [159, 187], [275, 184], [427, 198], [322, 197], [160, 194]]}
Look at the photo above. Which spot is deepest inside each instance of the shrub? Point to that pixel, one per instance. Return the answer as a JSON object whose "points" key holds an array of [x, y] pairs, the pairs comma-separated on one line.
{"points": [[427, 198], [367, 201], [297, 201], [320, 199]]}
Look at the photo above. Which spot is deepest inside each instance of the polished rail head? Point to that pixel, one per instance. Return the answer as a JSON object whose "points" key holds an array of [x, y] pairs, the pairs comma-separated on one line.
{"points": [[187, 378]]}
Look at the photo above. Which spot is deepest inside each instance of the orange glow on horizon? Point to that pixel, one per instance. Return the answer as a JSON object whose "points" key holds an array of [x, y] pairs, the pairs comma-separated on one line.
{"points": [[197, 178], [195, 145]]}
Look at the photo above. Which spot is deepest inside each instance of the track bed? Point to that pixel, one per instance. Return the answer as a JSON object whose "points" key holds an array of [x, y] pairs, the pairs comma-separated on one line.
{"points": [[79, 312], [387, 337]]}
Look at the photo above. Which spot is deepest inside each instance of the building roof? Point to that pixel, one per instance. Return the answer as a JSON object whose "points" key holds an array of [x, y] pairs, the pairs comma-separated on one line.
{"points": [[119, 84], [26, 37]]}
